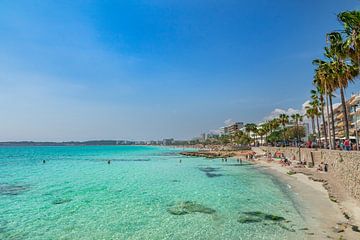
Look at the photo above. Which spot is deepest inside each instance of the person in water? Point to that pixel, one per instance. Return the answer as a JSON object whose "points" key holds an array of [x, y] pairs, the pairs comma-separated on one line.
{"points": [[109, 161], [44, 161]]}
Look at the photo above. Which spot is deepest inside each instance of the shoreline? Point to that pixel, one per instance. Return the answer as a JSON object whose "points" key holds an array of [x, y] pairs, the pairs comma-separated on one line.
{"points": [[324, 217], [329, 212]]}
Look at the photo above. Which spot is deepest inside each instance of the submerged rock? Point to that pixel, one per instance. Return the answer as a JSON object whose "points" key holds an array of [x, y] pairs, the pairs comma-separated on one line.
{"points": [[61, 201], [189, 207], [12, 189]]}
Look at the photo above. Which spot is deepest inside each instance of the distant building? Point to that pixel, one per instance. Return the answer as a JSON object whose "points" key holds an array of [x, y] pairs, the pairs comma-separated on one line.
{"points": [[233, 128], [353, 109], [203, 137], [168, 141]]}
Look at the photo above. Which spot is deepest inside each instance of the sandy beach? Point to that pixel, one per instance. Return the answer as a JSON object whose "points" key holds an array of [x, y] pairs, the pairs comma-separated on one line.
{"points": [[326, 218]]}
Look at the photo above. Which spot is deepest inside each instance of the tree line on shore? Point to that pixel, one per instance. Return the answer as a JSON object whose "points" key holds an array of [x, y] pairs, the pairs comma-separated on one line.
{"points": [[338, 68]]}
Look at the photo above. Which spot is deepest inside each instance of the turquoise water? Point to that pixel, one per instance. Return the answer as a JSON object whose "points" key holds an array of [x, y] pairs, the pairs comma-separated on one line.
{"points": [[76, 194]]}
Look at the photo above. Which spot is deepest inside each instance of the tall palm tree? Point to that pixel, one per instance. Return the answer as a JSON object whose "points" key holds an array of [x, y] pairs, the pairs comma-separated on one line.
{"points": [[267, 128], [310, 114], [325, 79], [283, 120], [344, 73], [297, 118], [315, 105], [351, 23], [319, 94], [262, 132]]}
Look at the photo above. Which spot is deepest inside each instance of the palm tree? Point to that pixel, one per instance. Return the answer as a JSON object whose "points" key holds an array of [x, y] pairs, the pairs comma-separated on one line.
{"points": [[315, 105], [267, 128], [351, 23], [262, 132], [297, 118], [274, 124], [250, 127], [325, 79], [344, 73], [283, 120], [319, 94], [310, 113]]}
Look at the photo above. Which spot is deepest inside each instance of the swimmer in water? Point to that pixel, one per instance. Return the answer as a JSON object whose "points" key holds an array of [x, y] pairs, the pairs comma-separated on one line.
{"points": [[109, 161]]}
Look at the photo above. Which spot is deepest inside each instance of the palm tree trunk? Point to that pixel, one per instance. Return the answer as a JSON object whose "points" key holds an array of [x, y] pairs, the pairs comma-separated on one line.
{"points": [[313, 125], [323, 120], [318, 128], [328, 121], [284, 135], [345, 112], [297, 134], [332, 123]]}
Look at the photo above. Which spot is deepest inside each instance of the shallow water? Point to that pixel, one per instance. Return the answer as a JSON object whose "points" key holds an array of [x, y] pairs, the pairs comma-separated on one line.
{"points": [[145, 193]]}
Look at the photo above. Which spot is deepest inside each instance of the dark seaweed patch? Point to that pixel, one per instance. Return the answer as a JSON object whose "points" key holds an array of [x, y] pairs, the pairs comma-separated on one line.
{"points": [[61, 201], [12, 189], [210, 171], [188, 207], [211, 175], [264, 218], [248, 219]]}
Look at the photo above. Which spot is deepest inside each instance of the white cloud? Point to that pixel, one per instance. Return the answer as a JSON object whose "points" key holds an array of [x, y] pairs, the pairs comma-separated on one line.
{"points": [[290, 111], [229, 122]]}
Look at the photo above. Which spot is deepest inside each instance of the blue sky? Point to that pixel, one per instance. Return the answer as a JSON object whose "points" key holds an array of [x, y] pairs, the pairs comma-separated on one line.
{"points": [[78, 70]]}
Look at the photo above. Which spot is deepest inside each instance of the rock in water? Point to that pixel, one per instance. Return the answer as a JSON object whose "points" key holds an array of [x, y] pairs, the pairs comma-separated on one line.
{"points": [[189, 207]]}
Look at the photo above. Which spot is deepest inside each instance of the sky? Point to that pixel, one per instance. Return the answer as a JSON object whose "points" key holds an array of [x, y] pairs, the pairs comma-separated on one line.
{"points": [[141, 70]]}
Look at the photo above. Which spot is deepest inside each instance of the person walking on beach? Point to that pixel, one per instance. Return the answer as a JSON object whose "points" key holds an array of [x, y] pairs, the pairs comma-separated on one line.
{"points": [[347, 145]]}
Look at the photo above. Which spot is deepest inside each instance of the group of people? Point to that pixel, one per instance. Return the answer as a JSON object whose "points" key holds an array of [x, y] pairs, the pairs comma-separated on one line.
{"points": [[345, 145]]}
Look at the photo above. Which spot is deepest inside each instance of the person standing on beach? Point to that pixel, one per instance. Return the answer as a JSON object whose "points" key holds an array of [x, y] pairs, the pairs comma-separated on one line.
{"points": [[347, 145]]}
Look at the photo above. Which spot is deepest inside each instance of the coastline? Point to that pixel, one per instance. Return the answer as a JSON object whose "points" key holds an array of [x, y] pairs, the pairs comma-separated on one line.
{"points": [[329, 212], [323, 216]]}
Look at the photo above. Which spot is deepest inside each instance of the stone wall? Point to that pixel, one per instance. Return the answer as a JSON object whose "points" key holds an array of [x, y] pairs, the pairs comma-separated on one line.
{"points": [[344, 165]]}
